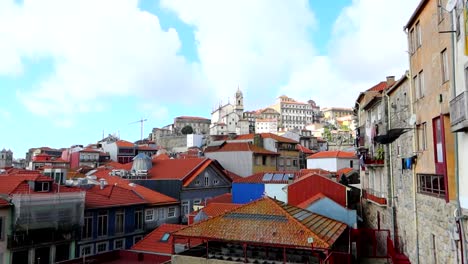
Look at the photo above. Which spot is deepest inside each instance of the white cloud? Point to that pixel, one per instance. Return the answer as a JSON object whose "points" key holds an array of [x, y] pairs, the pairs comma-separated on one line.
{"points": [[100, 49], [253, 44], [368, 44]]}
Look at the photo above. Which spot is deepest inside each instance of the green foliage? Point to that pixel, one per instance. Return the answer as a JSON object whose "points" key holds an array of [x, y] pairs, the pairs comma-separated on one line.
{"points": [[380, 153]]}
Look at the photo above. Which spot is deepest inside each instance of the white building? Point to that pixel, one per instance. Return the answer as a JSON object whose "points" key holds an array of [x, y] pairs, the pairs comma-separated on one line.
{"points": [[228, 118], [266, 126], [333, 160], [294, 114]]}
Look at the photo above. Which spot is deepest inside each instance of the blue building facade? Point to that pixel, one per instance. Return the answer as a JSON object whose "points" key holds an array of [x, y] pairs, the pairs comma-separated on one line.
{"points": [[246, 192]]}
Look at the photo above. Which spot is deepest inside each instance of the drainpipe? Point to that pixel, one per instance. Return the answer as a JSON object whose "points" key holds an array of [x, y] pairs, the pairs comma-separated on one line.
{"points": [[459, 215], [390, 172], [415, 210]]}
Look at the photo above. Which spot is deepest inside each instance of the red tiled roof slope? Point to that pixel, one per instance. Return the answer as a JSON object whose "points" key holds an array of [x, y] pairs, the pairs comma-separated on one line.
{"points": [[333, 154], [152, 242], [240, 146], [268, 221], [215, 209], [223, 198]]}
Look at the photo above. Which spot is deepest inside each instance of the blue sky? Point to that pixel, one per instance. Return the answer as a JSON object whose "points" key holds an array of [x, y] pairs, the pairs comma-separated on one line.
{"points": [[71, 72]]}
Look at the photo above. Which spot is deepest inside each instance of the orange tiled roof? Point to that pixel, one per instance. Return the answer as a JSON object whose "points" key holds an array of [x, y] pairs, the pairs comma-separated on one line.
{"points": [[232, 175], [311, 200], [378, 87], [124, 144], [268, 221], [223, 198], [110, 196], [4, 203], [344, 171], [333, 154], [320, 172], [152, 242], [90, 150], [192, 118], [304, 149], [215, 209], [18, 184], [175, 169]]}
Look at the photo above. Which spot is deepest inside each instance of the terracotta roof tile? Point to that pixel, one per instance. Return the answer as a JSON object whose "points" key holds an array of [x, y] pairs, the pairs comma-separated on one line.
{"points": [[268, 221], [223, 198], [304, 149], [4, 203], [110, 196], [124, 144], [232, 175], [152, 242], [215, 209], [378, 87], [344, 171], [333, 154], [192, 118], [175, 169]]}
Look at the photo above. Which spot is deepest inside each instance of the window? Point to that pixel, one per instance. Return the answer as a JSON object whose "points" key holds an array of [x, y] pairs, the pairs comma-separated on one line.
{"points": [[444, 66], [119, 243], [102, 223], [197, 182], [138, 219], [196, 201], [412, 42], [86, 250], [161, 213], [119, 221], [101, 247], [185, 207], [295, 162], [165, 237], [418, 35], [433, 184], [264, 160], [42, 186], [207, 180], [422, 136], [136, 239], [281, 161], [418, 83], [87, 230], [171, 212], [288, 162], [351, 163], [215, 182], [149, 215]]}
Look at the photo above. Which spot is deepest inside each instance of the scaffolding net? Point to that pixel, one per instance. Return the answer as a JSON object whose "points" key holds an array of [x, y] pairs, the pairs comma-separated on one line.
{"points": [[54, 210]]}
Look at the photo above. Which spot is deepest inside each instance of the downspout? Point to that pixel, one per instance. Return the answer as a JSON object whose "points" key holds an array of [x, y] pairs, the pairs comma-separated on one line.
{"points": [[390, 172], [458, 216], [415, 210]]}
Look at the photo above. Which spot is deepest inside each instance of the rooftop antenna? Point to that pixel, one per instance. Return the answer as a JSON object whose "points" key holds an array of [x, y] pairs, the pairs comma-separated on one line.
{"points": [[141, 121]]}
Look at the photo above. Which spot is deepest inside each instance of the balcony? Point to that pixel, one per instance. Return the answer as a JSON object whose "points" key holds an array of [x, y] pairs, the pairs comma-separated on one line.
{"points": [[375, 196], [374, 162], [459, 113]]}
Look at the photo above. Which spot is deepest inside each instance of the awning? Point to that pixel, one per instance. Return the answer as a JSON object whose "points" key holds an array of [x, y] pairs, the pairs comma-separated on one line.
{"points": [[391, 135]]}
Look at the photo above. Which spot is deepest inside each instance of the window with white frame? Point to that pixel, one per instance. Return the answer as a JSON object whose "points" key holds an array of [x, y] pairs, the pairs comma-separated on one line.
{"points": [[102, 247], [185, 207], [162, 213], [149, 215], [102, 223], [86, 250], [444, 65], [412, 41], [171, 212], [138, 219], [215, 182], [119, 221], [119, 243], [87, 229], [197, 201], [207, 180]]}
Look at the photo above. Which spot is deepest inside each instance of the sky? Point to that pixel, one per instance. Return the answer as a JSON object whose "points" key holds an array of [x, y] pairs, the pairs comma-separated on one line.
{"points": [[71, 71]]}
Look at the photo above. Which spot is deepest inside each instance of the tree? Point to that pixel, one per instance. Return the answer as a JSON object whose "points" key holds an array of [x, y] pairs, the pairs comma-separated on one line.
{"points": [[187, 130]]}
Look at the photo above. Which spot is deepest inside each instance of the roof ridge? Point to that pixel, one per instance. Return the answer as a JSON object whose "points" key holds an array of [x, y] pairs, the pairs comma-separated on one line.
{"points": [[276, 202]]}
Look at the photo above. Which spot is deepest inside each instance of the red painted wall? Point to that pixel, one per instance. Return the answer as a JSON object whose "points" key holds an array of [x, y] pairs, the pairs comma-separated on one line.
{"points": [[75, 159], [311, 185]]}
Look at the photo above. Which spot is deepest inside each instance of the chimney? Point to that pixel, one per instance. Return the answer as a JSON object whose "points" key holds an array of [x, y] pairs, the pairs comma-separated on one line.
{"points": [[390, 80], [102, 183]]}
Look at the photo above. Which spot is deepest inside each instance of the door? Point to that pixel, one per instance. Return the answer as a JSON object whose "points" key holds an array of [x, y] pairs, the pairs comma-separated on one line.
{"points": [[440, 160]]}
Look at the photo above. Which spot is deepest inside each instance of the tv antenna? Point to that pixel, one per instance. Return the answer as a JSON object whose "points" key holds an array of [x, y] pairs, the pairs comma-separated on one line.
{"points": [[141, 121]]}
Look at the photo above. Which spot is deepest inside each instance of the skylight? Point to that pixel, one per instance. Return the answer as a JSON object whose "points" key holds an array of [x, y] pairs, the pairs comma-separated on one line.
{"points": [[165, 237]]}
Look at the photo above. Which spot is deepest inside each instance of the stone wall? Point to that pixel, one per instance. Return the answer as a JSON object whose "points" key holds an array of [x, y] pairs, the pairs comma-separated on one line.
{"points": [[170, 142]]}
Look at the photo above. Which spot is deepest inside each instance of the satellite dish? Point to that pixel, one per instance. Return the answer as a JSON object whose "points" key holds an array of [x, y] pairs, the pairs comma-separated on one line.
{"points": [[450, 5]]}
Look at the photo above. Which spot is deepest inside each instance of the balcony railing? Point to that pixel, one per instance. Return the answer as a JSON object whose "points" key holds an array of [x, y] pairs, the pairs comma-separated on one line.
{"points": [[459, 112], [375, 196], [374, 162]]}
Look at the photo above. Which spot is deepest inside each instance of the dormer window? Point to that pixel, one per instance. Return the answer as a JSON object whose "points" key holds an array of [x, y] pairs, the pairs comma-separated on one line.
{"points": [[42, 186], [165, 237]]}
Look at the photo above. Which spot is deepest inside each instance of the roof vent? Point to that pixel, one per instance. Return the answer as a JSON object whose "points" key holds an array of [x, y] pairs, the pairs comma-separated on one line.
{"points": [[102, 183]]}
